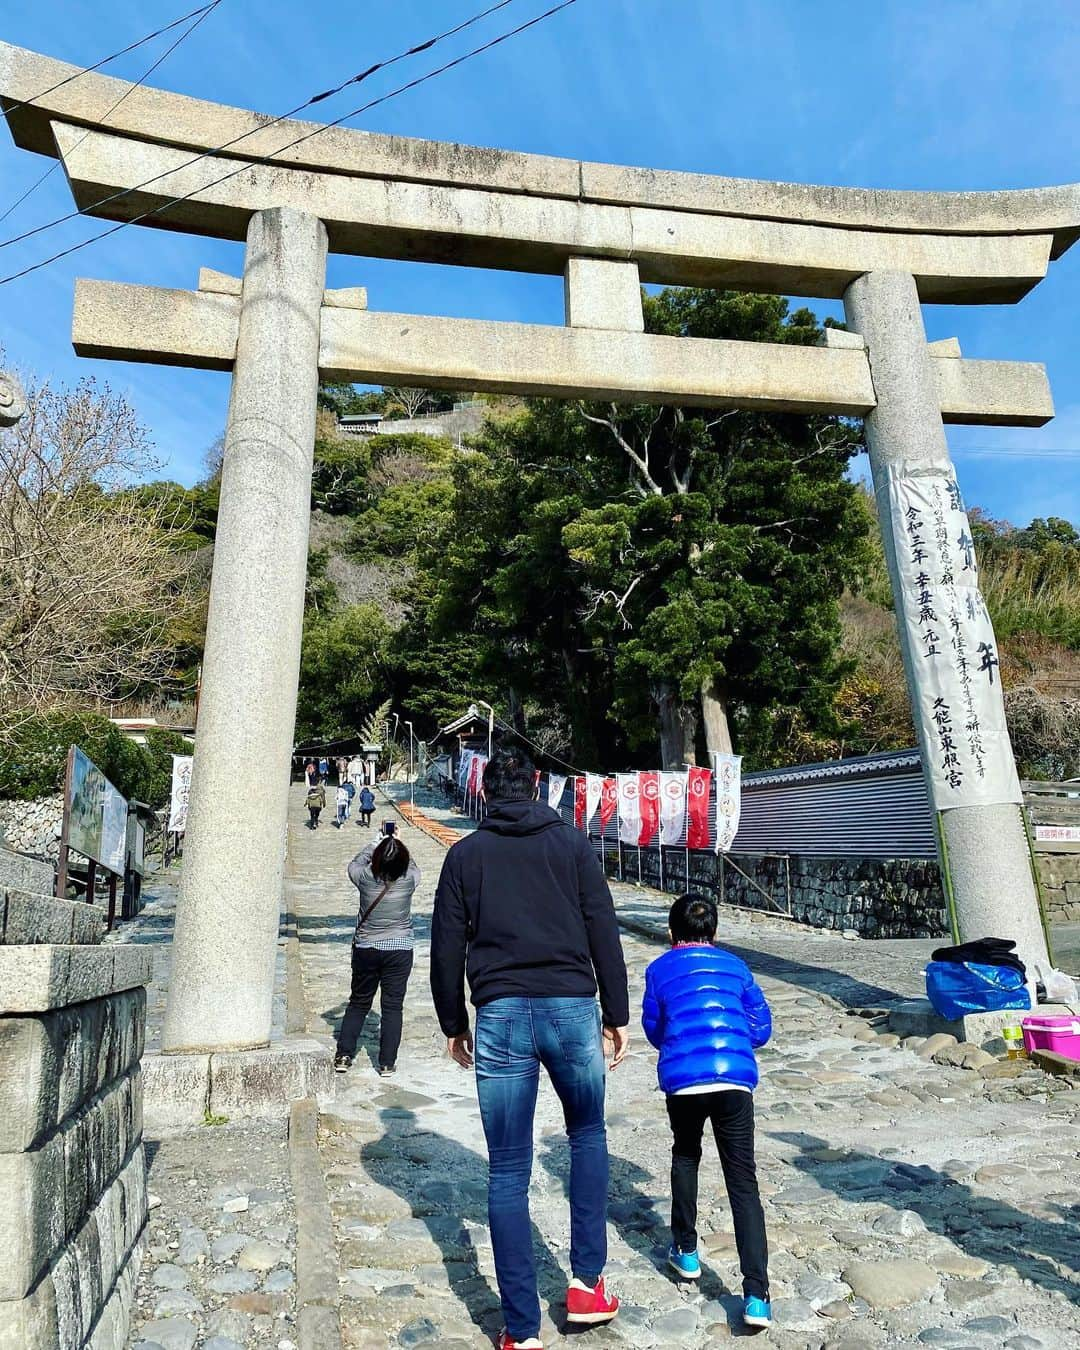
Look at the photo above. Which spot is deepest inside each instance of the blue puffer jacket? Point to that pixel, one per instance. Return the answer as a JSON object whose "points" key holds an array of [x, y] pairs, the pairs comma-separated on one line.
{"points": [[706, 1016]]}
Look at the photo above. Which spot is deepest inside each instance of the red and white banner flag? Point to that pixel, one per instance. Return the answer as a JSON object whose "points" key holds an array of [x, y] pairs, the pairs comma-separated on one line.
{"points": [[672, 807], [579, 802], [649, 803], [556, 785], [698, 782], [628, 791], [476, 774], [608, 802], [728, 769], [594, 790]]}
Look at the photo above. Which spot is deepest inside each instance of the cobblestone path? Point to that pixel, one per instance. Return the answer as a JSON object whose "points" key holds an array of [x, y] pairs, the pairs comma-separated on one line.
{"points": [[908, 1203]]}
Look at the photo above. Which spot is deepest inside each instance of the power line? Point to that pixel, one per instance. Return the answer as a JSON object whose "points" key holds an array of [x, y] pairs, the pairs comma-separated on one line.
{"points": [[262, 127], [200, 16], [267, 159], [87, 70]]}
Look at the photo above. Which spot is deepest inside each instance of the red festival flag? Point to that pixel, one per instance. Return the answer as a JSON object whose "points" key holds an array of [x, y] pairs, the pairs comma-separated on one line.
{"points": [[649, 799], [579, 801], [608, 801], [697, 808]]}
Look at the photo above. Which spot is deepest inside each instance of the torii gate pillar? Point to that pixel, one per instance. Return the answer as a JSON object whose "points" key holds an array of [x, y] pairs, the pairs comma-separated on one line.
{"points": [[985, 848], [222, 982]]}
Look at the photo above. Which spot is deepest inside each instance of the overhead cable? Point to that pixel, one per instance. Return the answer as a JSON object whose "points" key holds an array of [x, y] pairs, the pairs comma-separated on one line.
{"points": [[87, 70], [200, 16], [269, 159], [261, 127]]}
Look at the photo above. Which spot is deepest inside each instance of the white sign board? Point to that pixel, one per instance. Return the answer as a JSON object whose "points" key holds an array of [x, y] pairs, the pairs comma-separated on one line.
{"points": [[181, 786], [951, 641], [1057, 834]]}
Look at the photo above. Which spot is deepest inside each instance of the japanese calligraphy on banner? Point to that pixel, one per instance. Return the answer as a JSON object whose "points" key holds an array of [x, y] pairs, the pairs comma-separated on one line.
{"points": [[178, 797], [951, 641], [728, 772]]}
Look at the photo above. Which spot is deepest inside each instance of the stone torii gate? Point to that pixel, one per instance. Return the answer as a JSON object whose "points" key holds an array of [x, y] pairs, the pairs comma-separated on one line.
{"points": [[605, 229]]}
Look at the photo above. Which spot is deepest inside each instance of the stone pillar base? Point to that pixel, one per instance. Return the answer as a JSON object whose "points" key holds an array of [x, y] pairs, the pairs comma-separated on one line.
{"points": [[181, 1090]]}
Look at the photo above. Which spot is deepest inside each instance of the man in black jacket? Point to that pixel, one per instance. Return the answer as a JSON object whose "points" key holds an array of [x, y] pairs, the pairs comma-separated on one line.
{"points": [[523, 909]]}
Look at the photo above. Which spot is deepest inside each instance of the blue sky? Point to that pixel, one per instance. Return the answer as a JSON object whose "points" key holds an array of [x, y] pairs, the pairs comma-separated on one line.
{"points": [[912, 94]]}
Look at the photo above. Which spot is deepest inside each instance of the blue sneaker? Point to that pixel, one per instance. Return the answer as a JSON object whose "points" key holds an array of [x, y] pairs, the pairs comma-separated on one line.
{"points": [[685, 1264], [757, 1312]]}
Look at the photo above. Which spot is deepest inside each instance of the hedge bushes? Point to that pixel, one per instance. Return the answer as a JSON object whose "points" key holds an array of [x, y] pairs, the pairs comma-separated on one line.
{"points": [[33, 757]]}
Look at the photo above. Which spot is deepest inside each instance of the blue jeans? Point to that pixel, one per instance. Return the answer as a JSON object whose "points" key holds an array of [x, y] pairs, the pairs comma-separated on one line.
{"points": [[514, 1036]]}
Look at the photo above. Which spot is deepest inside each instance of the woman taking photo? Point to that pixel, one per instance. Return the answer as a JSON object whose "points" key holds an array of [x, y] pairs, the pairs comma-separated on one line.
{"points": [[382, 951]]}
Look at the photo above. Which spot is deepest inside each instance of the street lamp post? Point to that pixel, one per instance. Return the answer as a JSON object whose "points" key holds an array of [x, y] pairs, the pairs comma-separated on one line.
{"points": [[412, 782], [491, 723]]}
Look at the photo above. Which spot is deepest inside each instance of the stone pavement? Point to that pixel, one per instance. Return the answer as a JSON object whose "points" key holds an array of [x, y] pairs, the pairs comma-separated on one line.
{"points": [[907, 1202]]}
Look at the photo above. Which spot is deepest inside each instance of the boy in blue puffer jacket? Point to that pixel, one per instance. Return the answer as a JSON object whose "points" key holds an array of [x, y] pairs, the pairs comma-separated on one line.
{"points": [[706, 1016]]}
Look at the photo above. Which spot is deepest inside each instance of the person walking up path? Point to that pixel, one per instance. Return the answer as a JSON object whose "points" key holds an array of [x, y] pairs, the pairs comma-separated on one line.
{"points": [[367, 805], [316, 801], [522, 908], [706, 1015], [382, 952]]}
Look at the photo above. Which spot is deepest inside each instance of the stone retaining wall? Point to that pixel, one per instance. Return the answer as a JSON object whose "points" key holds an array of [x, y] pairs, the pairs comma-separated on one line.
{"points": [[33, 827], [1060, 876], [73, 1199], [898, 897], [893, 898]]}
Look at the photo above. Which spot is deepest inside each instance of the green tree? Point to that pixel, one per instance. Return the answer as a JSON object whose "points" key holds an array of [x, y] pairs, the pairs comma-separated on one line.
{"points": [[343, 670], [659, 568]]}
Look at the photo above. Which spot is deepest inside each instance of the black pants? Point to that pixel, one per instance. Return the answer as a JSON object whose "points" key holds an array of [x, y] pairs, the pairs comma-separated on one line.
{"points": [[371, 969], [365, 817], [313, 817], [732, 1117]]}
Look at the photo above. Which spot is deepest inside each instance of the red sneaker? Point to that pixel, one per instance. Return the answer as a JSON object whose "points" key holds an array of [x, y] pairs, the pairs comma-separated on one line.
{"points": [[507, 1342], [590, 1306]]}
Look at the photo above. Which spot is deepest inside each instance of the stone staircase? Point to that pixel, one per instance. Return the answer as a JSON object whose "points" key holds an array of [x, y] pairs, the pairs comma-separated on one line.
{"points": [[72, 1172]]}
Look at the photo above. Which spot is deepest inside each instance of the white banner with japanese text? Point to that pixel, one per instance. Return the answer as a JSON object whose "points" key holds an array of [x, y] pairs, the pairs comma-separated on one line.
{"points": [[727, 769], [951, 641], [178, 797]]}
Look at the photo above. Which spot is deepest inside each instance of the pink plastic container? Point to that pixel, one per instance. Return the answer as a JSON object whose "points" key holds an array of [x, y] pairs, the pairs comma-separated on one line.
{"points": [[1059, 1034]]}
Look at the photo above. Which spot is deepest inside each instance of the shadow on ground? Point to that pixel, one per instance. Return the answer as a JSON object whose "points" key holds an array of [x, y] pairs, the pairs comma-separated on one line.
{"points": [[445, 1186], [982, 1226]]}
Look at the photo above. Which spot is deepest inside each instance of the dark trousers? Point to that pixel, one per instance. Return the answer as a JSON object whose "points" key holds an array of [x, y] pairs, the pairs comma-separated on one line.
{"points": [[373, 969], [313, 817], [365, 817], [732, 1118]]}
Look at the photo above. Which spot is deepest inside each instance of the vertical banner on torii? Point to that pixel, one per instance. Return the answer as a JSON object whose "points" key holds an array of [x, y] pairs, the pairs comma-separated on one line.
{"points": [[951, 639]]}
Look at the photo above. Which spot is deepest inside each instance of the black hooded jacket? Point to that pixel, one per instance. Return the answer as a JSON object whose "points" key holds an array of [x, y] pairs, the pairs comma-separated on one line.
{"points": [[522, 905]]}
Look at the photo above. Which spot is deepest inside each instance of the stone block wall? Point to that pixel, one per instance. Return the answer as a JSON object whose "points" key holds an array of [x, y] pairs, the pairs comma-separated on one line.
{"points": [[73, 1200], [1060, 877], [33, 827], [897, 897]]}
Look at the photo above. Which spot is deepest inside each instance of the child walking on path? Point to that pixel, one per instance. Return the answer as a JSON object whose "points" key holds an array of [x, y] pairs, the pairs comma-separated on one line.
{"points": [[706, 1015]]}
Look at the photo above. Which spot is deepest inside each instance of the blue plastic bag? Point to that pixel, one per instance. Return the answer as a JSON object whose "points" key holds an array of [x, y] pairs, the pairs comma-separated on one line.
{"points": [[954, 990]]}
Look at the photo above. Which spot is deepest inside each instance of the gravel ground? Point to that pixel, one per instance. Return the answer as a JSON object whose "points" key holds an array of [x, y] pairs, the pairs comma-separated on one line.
{"points": [[218, 1271]]}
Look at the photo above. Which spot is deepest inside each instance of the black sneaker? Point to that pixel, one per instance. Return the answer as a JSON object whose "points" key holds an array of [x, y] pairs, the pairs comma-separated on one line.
{"points": [[342, 1062], [385, 1070]]}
